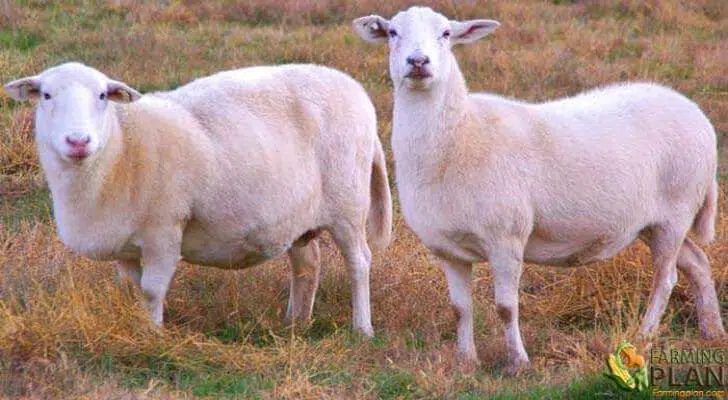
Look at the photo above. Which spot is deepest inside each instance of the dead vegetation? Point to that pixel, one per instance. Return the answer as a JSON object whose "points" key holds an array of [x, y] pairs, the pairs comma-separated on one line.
{"points": [[68, 330]]}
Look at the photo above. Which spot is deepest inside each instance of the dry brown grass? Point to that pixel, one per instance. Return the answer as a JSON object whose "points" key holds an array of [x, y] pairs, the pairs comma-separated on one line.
{"points": [[68, 330]]}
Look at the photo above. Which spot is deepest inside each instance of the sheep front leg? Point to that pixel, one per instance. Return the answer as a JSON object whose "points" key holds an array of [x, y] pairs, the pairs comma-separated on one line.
{"points": [[160, 263], [458, 275], [506, 267]]}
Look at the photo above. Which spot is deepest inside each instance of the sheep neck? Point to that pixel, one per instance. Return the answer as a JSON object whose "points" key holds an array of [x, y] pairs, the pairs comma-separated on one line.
{"points": [[425, 122]]}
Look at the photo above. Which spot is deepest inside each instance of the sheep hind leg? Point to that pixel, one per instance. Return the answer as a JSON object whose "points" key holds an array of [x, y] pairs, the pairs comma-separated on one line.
{"points": [[665, 244], [693, 262], [129, 271], [305, 271], [351, 240], [506, 264]]}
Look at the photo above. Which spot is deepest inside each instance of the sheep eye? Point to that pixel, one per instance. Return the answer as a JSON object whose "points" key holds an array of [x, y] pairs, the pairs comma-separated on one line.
{"points": [[102, 96], [392, 33], [446, 34], [46, 96]]}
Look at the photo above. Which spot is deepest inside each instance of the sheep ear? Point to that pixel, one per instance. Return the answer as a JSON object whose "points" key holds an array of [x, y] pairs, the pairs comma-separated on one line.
{"points": [[372, 28], [24, 89], [121, 92], [470, 31]]}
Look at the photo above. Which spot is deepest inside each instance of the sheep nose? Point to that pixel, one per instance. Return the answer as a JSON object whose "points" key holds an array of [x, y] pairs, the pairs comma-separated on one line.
{"points": [[77, 139], [418, 60]]}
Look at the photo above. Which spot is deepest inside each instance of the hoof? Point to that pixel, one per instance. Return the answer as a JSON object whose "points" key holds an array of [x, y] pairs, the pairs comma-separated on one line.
{"points": [[713, 333], [643, 343], [467, 362], [467, 365], [647, 335], [516, 367], [303, 323], [367, 331]]}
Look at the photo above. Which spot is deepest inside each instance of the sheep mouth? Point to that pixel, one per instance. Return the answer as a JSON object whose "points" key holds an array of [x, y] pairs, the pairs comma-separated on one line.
{"points": [[418, 73], [78, 155]]}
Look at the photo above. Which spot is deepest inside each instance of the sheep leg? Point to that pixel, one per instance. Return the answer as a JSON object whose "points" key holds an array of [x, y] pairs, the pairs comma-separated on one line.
{"points": [[458, 275], [305, 272], [160, 263], [129, 271], [664, 245], [506, 267], [352, 243], [693, 262]]}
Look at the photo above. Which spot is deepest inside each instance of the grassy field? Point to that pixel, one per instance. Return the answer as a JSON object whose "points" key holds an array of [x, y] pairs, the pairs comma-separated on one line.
{"points": [[67, 330]]}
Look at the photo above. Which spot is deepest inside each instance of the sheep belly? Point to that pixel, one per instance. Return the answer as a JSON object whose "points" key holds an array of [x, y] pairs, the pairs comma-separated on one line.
{"points": [[238, 251], [575, 253]]}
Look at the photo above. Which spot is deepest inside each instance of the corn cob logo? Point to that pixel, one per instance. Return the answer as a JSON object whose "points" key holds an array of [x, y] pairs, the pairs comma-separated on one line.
{"points": [[627, 368]]}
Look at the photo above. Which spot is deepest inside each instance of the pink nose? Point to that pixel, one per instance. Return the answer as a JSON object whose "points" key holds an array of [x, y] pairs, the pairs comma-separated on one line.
{"points": [[418, 60], [78, 140]]}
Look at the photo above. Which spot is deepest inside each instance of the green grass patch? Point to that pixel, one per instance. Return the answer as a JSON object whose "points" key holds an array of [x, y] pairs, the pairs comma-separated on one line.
{"points": [[626, 49], [202, 380], [379, 341], [169, 86], [415, 340], [18, 39], [394, 384], [34, 206], [594, 387], [321, 328], [331, 378], [229, 385], [240, 333]]}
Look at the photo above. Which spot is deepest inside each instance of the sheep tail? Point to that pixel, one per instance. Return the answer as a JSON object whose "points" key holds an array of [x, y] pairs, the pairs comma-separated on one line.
{"points": [[379, 219], [704, 223]]}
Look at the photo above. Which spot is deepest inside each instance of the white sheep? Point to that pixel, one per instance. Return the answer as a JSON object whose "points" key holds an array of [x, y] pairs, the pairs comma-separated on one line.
{"points": [[567, 182], [229, 170]]}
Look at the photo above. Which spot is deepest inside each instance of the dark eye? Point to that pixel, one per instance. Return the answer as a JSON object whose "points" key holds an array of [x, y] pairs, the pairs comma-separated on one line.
{"points": [[446, 34], [392, 33], [46, 96], [102, 96]]}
